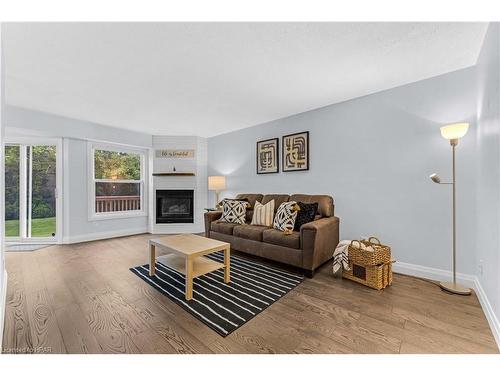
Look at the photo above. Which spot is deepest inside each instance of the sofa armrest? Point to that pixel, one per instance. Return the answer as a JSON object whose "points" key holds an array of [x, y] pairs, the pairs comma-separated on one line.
{"points": [[209, 217], [318, 240]]}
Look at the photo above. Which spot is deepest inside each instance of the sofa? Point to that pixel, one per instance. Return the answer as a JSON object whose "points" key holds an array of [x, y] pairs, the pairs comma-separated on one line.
{"points": [[306, 249]]}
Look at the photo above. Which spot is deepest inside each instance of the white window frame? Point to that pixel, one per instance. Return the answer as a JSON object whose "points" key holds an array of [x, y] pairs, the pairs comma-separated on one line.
{"points": [[24, 205], [92, 214]]}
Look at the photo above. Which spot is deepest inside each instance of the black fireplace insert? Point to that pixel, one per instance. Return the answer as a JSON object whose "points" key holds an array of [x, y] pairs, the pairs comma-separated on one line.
{"points": [[174, 206]]}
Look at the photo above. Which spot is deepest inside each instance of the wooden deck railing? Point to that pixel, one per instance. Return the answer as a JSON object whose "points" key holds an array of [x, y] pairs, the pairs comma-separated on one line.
{"points": [[117, 203]]}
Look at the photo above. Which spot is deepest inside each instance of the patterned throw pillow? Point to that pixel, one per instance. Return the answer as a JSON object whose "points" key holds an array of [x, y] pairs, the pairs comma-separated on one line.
{"points": [[306, 214], [234, 199], [284, 220], [233, 211], [263, 213]]}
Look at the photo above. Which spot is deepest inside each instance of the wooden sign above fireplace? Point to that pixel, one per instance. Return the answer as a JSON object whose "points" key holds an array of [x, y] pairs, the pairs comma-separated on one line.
{"points": [[174, 154]]}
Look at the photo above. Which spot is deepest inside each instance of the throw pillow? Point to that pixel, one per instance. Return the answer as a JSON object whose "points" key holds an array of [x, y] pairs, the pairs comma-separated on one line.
{"points": [[233, 211], [234, 199], [284, 220], [306, 214], [263, 213]]}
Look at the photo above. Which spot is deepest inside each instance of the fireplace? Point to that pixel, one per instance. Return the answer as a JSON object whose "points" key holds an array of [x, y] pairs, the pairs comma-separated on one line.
{"points": [[174, 206]]}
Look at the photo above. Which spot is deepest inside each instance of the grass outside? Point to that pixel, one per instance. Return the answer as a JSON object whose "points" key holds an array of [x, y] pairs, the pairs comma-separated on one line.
{"points": [[39, 227]]}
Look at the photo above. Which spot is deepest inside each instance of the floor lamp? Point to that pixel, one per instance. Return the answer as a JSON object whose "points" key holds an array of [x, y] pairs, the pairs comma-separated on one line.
{"points": [[453, 133]]}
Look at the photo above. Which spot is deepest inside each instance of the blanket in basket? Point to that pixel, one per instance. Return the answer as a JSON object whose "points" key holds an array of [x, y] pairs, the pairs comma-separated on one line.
{"points": [[341, 255]]}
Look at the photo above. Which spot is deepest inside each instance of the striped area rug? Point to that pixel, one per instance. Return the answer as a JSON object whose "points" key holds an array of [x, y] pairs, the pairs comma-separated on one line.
{"points": [[224, 307]]}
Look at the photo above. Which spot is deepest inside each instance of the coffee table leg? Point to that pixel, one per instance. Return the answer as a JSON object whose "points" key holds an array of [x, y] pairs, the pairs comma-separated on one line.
{"points": [[189, 278], [227, 268], [152, 260]]}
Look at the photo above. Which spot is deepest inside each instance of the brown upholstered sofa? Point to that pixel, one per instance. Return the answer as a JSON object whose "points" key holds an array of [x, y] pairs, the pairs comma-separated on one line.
{"points": [[307, 249]]}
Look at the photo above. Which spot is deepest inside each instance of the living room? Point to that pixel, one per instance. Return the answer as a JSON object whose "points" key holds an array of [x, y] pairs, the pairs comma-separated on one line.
{"points": [[250, 187]]}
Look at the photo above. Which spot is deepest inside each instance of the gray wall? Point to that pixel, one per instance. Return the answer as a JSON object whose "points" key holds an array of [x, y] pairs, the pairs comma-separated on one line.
{"points": [[75, 134], [374, 155], [488, 171]]}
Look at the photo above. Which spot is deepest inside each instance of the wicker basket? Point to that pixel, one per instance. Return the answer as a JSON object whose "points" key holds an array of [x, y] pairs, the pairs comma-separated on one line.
{"points": [[370, 268]]}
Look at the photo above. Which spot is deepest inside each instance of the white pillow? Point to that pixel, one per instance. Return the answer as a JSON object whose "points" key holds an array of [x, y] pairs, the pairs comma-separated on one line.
{"points": [[263, 214]]}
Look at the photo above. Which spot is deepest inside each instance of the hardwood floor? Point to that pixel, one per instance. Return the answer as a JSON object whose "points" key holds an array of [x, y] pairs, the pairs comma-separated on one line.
{"points": [[83, 299]]}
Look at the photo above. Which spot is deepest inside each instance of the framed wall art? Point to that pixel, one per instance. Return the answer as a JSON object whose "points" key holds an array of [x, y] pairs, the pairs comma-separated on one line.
{"points": [[267, 156], [296, 152]]}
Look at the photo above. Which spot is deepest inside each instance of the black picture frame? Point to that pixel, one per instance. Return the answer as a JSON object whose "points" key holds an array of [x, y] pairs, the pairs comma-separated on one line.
{"points": [[276, 156], [284, 152]]}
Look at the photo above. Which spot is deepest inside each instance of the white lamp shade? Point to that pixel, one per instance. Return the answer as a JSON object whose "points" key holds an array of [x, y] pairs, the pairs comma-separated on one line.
{"points": [[454, 131], [216, 183]]}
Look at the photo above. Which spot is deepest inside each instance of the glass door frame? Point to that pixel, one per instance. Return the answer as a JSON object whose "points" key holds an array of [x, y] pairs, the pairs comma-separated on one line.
{"points": [[24, 200]]}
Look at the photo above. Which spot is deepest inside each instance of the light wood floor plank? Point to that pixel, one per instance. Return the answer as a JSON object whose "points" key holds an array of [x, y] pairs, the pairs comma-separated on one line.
{"points": [[77, 335], [44, 328], [17, 332], [421, 339], [150, 342]]}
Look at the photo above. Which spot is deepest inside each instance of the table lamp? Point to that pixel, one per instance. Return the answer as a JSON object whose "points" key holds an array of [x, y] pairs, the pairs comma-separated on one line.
{"points": [[217, 184]]}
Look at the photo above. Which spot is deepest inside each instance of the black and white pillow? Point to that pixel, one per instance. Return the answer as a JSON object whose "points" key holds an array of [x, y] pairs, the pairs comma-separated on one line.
{"points": [[234, 199], [306, 214], [284, 220], [233, 211]]}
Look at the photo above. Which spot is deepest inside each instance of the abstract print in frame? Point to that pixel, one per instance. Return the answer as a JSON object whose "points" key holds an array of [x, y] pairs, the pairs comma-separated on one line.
{"points": [[296, 152], [267, 156]]}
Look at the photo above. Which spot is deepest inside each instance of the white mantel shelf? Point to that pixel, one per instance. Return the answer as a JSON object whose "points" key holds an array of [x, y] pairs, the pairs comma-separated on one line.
{"points": [[174, 174]]}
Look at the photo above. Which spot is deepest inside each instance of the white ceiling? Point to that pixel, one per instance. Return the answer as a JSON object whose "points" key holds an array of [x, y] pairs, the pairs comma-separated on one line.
{"points": [[210, 78]]}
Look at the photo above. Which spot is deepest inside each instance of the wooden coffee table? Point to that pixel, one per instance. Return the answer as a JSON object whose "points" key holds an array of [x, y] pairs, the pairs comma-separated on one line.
{"points": [[185, 255]]}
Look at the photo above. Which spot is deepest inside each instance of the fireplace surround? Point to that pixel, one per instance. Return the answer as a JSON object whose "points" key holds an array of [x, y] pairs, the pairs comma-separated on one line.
{"points": [[174, 206], [169, 172]]}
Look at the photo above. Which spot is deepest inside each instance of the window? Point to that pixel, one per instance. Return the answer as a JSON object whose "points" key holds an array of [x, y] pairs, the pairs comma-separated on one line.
{"points": [[117, 182]]}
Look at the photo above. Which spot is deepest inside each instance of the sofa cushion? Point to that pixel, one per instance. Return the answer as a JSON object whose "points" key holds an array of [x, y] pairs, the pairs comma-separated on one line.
{"points": [[276, 237], [325, 202], [278, 199], [221, 227], [251, 198], [250, 232]]}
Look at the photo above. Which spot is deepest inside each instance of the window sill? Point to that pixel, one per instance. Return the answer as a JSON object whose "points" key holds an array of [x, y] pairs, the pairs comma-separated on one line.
{"points": [[116, 215]]}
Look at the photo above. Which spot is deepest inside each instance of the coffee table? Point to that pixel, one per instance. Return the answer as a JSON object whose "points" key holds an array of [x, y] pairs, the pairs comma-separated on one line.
{"points": [[185, 255]]}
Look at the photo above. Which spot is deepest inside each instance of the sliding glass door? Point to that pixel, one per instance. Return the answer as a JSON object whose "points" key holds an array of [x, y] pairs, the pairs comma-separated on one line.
{"points": [[31, 186], [12, 191]]}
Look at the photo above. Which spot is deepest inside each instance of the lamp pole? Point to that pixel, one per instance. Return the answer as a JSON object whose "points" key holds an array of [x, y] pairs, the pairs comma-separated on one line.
{"points": [[453, 143], [453, 287]]}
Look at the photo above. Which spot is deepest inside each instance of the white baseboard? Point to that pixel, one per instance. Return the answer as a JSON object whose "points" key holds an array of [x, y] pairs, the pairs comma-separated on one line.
{"points": [[432, 273], [488, 310], [469, 281], [3, 306], [103, 235]]}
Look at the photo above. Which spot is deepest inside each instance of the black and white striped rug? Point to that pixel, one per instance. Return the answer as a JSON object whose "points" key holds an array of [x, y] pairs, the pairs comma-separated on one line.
{"points": [[224, 307]]}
